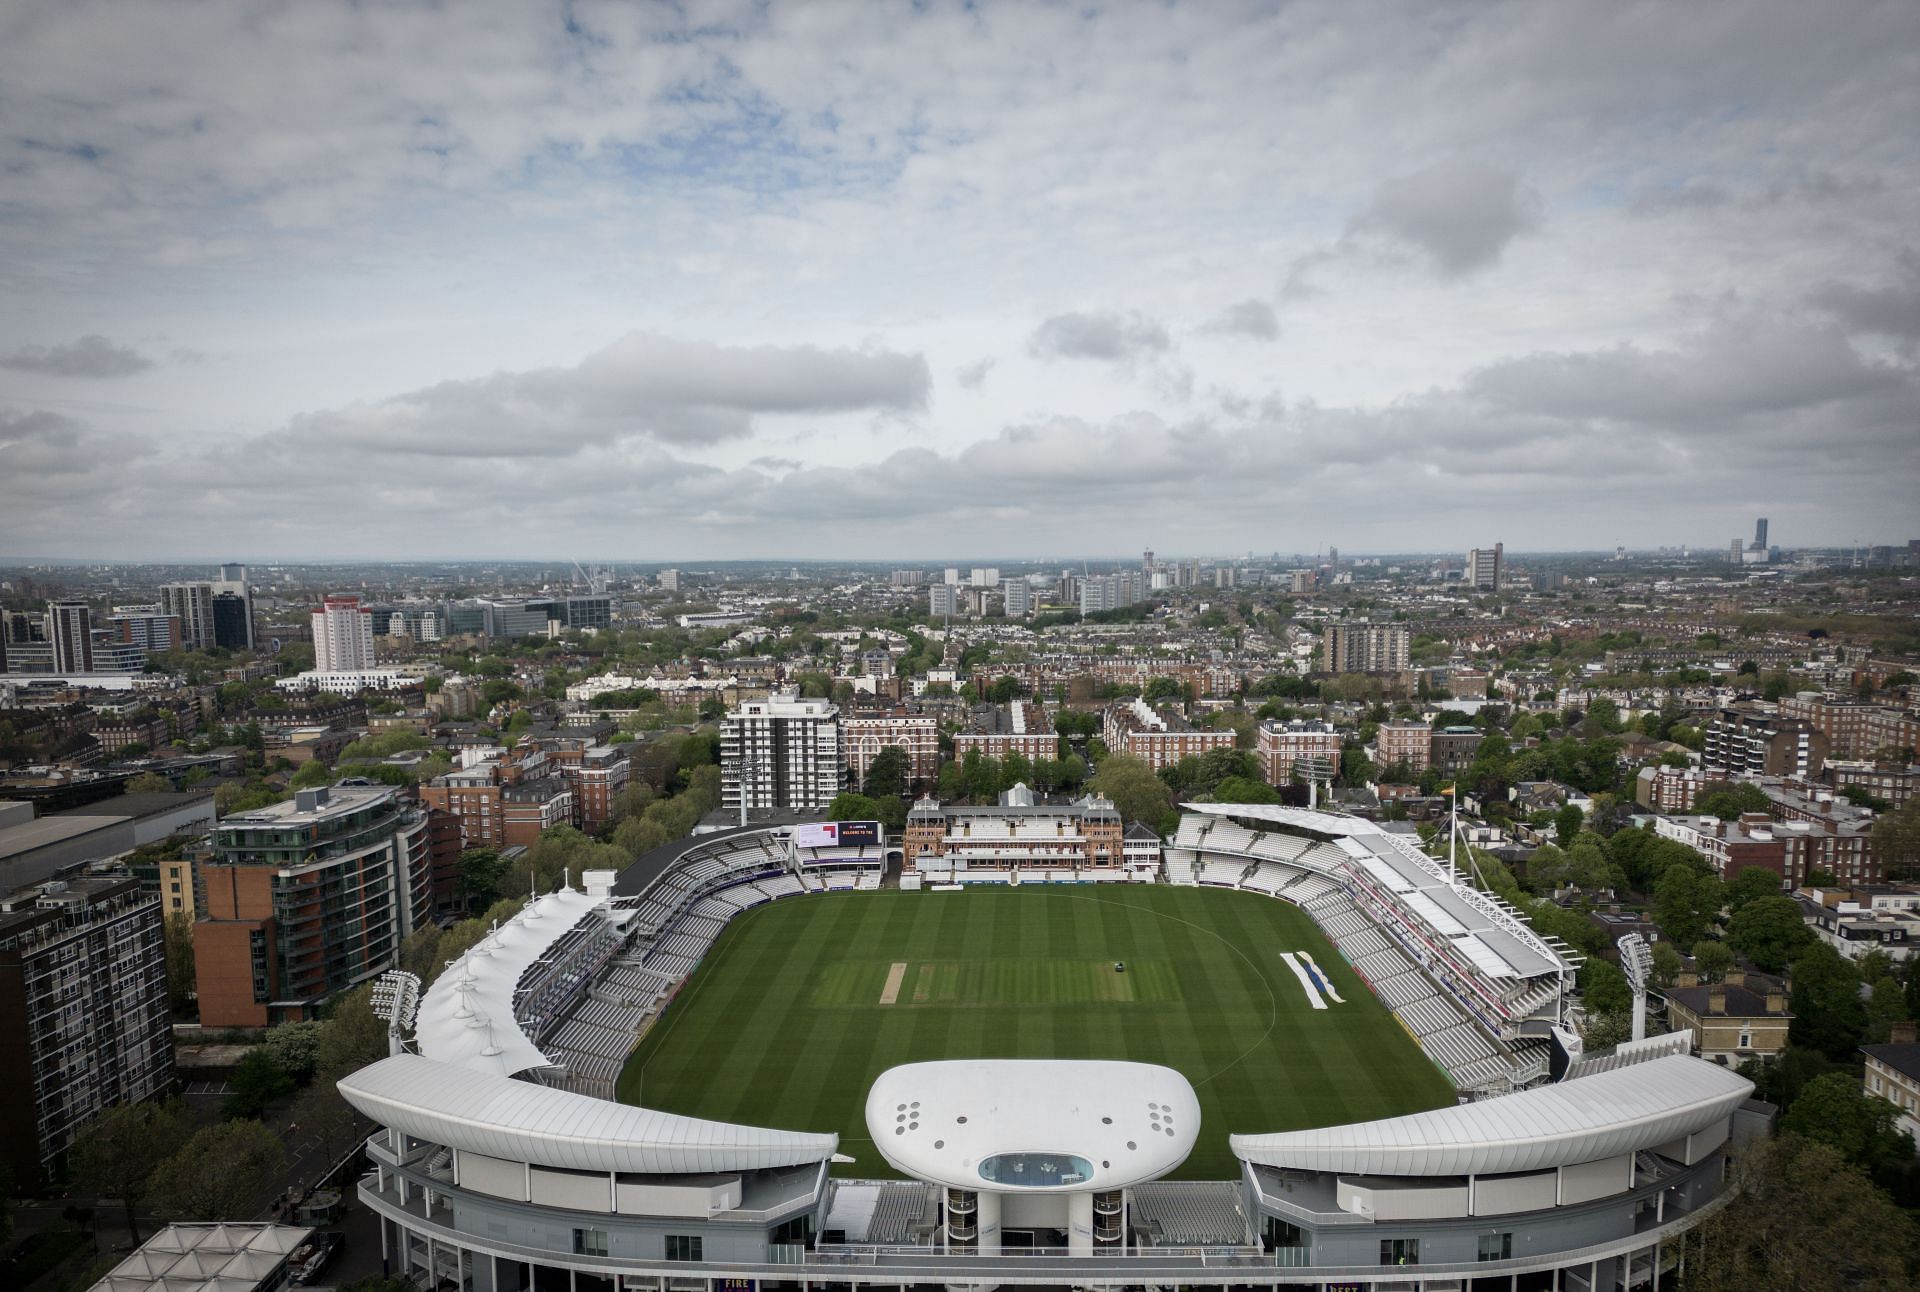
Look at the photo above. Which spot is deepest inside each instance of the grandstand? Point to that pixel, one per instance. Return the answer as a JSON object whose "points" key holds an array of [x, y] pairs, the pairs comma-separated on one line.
{"points": [[1472, 982]]}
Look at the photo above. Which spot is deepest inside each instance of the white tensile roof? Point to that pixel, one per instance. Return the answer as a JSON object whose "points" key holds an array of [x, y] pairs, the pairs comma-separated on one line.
{"points": [[466, 1016], [222, 1256], [480, 1112], [1620, 1111], [942, 1121]]}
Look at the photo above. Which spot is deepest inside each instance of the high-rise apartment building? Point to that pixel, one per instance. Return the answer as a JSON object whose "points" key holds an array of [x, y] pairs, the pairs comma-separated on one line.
{"points": [[70, 627], [1111, 591], [1760, 534], [151, 631], [307, 898], [192, 604], [1753, 738], [342, 636], [83, 1011], [1017, 596], [669, 580], [781, 753], [233, 618], [1485, 567], [943, 599], [1366, 648]]}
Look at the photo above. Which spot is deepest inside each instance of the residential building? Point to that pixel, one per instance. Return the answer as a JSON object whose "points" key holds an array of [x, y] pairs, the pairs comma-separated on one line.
{"points": [[1017, 597], [150, 630], [596, 774], [343, 636], [1282, 745], [1302, 582], [532, 807], [70, 628], [949, 843], [1366, 648], [916, 735], [986, 577], [232, 621], [943, 599], [1745, 1017], [1485, 567], [83, 1011], [1111, 591], [1751, 738], [1892, 783], [307, 898], [1893, 1074], [1160, 737], [1453, 748], [781, 753], [192, 605], [1853, 728], [1020, 728], [1404, 741], [1673, 790], [668, 580]]}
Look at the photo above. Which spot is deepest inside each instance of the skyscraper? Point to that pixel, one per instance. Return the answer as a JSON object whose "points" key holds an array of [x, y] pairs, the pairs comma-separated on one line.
{"points": [[1760, 534], [1018, 594], [782, 752], [342, 636], [237, 631], [192, 604], [70, 625]]}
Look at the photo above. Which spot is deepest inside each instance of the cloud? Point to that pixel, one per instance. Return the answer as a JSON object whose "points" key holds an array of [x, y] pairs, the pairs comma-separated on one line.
{"points": [[90, 356], [643, 385], [1107, 336], [1890, 310], [1251, 318], [1461, 215], [973, 375]]}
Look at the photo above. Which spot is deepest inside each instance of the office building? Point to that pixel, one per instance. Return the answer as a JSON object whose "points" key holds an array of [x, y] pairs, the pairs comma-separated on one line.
{"points": [[782, 753], [916, 735], [669, 580], [943, 599], [83, 1011], [1017, 597], [1159, 737], [342, 636], [232, 621], [1760, 534], [192, 605], [70, 628], [1366, 648], [1282, 746], [1485, 567], [307, 898]]}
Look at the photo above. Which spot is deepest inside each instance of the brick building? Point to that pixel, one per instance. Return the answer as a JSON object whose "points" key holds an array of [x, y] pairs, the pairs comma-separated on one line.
{"points": [[917, 735], [943, 842], [1281, 744], [1159, 737], [1018, 728], [1404, 741]]}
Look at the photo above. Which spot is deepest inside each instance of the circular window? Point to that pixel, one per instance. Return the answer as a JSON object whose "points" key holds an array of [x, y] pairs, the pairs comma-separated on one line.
{"points": [[961, 1120], [901, 1107], [899, 1130], [1131, 1144], [939, 1143], [916, 1126], [1106, 1164], [1106, 1121]]}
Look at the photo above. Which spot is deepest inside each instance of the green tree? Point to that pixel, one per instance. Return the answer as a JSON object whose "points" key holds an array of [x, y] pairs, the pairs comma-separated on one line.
{"points": [[295, 1047], [1886, 1005], [1134, 790], [1752, 882], [258, 1083], [1729, 800], [1244, 789], [1711, 960], [1896, 840], [478, 877], [1684, 902], [1667, 964], [1769, 932], [149, 783], [121, 1148], [312, 773], [1833, 1110], [1604, 987], [638, 836], [1566, 824], [354, 1036], [887, 773], [177, 932], [225, 1172], [1827, 1012]]}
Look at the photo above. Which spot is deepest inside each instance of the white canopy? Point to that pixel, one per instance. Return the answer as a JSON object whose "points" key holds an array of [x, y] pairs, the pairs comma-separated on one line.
{"points": [[1033, 1125], [480, 1112], [1597, 1117]]}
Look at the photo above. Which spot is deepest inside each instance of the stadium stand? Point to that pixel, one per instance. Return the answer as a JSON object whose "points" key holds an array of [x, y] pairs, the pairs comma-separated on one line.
{"points": [[1205, 1214]]}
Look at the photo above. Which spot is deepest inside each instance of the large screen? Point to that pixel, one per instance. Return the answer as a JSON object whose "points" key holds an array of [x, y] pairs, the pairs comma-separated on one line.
{"points": [[833, 834]]}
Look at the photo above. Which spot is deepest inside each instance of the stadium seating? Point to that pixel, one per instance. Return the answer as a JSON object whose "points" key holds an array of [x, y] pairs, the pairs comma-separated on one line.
{"points": [[1188, 1215]]}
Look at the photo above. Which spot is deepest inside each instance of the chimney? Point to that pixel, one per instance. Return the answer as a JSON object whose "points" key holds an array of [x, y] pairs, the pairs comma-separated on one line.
{"points": [[1905, 1033], [1736, 977], [1777, 1004], [1717, 1000]]}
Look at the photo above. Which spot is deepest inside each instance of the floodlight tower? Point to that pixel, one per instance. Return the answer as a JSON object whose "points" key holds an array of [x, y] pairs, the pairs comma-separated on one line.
{"points": [[1636, 960], [396, 998]]}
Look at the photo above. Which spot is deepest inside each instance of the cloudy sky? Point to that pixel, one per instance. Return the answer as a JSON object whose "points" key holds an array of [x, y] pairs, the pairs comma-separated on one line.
{"points": [[638, 281]]}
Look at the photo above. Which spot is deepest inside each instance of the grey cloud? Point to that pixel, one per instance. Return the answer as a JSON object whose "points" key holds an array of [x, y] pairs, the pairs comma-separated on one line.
{"points": [[974, 375], [1106, 335], [1253, 318], [674, 392], [90, 356], [1682, 198], [1890, 310], [1462, 215]]}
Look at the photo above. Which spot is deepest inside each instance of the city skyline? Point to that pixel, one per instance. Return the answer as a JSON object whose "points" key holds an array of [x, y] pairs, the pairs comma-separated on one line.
{"points": [[335, 285]]}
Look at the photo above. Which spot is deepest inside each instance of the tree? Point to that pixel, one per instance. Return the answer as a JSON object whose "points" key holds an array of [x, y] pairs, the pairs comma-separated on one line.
{"points": [[1802, 1218], [1834, 1110], [1566, 824], [1684, 902], [258, 1083], [637, 836], [1886, 1006], [1752, 882], [1133, 788], [1769, 932], [887, 773], [149, 783], [120, 1149], [296, 1048], [1827, 1013], [1666, 964], [1730, 799], [353, 1037], [1604, 987], [1711, 960], [224, 1172], [312, 773], [478, 876], [1244, 789], [177, 932]]}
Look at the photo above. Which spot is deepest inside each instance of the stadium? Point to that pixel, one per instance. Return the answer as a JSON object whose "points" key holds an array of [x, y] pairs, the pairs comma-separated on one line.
{"points": [[1297, 1052]]}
